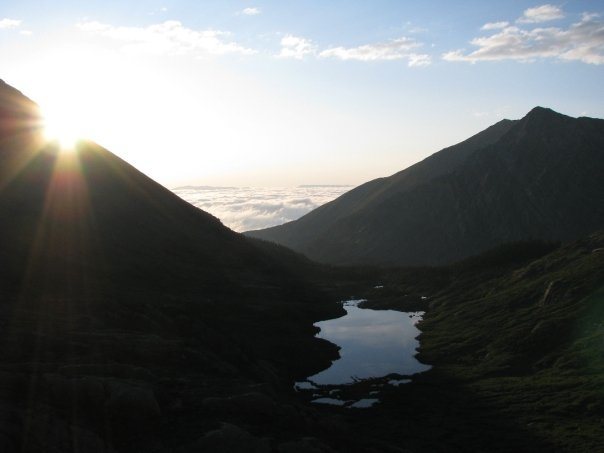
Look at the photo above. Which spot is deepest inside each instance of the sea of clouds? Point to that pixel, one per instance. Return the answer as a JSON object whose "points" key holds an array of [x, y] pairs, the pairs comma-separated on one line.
{"points": [[252, 208]]}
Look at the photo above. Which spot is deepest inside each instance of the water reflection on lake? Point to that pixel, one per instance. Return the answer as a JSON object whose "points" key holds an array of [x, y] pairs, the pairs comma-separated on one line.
{"points": [[374, 343]]}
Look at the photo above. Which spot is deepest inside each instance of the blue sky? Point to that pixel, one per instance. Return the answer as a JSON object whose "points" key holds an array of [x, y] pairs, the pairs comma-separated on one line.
{"points": [[286, 93]]}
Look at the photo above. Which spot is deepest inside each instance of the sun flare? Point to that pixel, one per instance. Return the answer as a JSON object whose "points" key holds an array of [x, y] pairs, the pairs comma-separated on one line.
{"points": [[62, 128]]}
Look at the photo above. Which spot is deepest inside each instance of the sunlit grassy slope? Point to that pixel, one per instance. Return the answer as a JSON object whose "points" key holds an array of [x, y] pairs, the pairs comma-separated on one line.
{"points": [[516, 337]]}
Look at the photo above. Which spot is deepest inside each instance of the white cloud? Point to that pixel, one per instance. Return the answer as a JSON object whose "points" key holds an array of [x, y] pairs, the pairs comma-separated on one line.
{"points": [[538, 14], [417, 60], [396, 49], [582, 41], [296, 47], [251, 208], [494, 25], [252, 11], [169, 37], [416, 30], [7, 23], [26, 32]]}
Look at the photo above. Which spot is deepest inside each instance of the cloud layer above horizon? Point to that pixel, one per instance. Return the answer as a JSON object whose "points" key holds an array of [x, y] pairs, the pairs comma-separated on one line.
{"points": [[253, 208]]}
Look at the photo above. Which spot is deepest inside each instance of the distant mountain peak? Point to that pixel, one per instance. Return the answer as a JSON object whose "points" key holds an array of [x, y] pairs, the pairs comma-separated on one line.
{"points": [[544, 113], [539, 109], [537, 177], [540, 122]]}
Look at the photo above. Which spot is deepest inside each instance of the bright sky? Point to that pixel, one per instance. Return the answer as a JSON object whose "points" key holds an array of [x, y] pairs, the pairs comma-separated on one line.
{"points": [[241, 92]]}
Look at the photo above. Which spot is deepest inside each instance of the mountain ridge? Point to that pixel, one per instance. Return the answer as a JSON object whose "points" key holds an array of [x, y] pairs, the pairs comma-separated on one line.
{"points": [[377, 186], [124, 308], [366, 225]]}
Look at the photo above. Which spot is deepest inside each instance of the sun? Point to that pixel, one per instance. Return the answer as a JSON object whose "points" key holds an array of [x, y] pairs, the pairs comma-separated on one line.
{"points": [[62, 127]]}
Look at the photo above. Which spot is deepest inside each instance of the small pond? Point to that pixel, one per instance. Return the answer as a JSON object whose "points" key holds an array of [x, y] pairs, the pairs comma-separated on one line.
{"points": [[373, 344]]}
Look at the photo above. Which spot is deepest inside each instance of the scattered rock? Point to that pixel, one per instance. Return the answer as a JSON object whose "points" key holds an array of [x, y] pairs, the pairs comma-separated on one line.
{"points": [[7, 445], [267, 372], [87, 441], [230, 439], [552, 293], [305, 445], [131, 402], [86, 393], [334, 425], [115, 370], [12, 385], [249, 404]]}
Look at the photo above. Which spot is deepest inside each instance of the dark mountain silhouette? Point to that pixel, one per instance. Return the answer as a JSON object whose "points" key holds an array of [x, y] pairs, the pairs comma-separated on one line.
{"points": [[124, 309], [538, 177]]}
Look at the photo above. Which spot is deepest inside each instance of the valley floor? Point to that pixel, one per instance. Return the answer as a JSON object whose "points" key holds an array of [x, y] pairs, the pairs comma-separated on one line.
{"points": [[514, 337], [516, 347]]}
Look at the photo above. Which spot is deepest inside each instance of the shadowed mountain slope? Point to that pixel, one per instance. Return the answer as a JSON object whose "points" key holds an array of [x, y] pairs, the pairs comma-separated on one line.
{"points": [[124, 309], [538, 177], [90, 207]]}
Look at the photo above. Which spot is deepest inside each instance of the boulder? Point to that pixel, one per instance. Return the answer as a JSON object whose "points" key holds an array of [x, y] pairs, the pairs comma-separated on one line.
{"points": [[7, 445], [116, 370], [131, 402], [305, 445], [230, 439], [86, 393], [253, 404]]}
